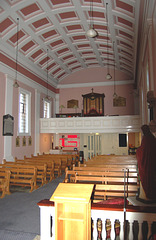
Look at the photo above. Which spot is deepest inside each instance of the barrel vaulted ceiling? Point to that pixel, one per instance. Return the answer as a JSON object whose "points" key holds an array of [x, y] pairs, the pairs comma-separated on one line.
{"points": [[60, 26]]}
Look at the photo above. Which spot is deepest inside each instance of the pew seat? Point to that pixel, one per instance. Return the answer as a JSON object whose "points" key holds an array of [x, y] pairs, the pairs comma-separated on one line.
{"points": [[22, 175], [4, 182]]}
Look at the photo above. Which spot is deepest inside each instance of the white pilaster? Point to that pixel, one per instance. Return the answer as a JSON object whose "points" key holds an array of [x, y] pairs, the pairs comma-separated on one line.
{"points": [[8, 110], [57, 103], [37, 123]]}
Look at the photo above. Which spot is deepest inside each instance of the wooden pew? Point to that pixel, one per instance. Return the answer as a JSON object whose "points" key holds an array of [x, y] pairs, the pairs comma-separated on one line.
{"points": [[57, 163], [108, 191], [4, 182], [105, 177], [66, 160], [22, 175], [50, 165], [41, 169], [112, 159], [109, 182], [70, 174]]}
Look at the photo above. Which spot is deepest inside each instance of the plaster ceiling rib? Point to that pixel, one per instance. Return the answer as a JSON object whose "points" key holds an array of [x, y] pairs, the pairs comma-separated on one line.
{"points": [[45, 45], [32, 36], [123, 27], [112, 35], [51, 15], [137, 11], [64, 35]]}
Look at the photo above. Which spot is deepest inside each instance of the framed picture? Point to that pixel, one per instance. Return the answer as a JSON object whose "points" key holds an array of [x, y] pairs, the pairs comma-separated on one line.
{"points": [[30, 141], [72, 103], [24, 141], [119, 102], [17, 142], [8, 125]]}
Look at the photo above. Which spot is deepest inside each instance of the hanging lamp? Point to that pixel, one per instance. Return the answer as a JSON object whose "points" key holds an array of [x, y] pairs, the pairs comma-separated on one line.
{"points": [[16, 85], [114, 94], [108, 76], [91, 32], [47, 97]]}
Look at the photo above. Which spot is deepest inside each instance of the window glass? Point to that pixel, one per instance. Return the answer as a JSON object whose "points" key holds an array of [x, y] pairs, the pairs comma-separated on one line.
{"points": [[46, 110], [24, 112]]}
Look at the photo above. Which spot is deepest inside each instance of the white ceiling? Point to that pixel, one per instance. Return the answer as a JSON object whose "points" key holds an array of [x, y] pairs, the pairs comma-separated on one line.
{"points": [[60, 26]]}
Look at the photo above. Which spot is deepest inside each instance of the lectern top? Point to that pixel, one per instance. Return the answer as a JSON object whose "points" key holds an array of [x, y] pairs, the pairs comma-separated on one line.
{"points": [[72, 192]]}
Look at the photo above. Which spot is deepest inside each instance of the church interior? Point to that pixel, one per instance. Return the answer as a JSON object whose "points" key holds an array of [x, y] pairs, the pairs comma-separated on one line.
{"points": [[77, 85]]}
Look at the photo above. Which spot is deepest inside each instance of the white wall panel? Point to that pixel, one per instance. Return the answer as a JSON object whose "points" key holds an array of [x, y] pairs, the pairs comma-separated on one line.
{"points": [[112, 124]]}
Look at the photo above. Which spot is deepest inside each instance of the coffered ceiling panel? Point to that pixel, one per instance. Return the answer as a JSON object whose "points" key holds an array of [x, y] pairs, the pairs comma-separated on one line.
{"points": [[61, 25]]}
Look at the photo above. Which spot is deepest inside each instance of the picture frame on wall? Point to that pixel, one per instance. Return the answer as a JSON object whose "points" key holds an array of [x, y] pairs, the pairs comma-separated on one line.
{"points": [[18, 142], [24, 141], [30, 141], [8, 125]]}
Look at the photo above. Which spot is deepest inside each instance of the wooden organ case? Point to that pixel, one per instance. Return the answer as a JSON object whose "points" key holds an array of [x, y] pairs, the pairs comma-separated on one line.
{"points": [[93, 104]]}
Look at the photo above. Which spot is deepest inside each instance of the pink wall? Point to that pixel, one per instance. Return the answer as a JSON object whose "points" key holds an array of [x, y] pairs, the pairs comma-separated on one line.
{"points": [[42, 95], [121, 90], [94, 75], [19, 152], [2, 112], [45, 142]]}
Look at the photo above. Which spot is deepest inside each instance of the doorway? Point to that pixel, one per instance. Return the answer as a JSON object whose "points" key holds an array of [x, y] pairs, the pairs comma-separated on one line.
{"points": [[94, 145]]}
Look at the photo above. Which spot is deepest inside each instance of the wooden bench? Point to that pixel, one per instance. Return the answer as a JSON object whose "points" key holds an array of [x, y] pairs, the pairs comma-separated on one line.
{"points": [[41, 169], [64, 160], [56, 163], [109, 182], [108, 191], [22, 175], [112, 159], [105, 177], [70, 174], [53, 167], [4, 182]]}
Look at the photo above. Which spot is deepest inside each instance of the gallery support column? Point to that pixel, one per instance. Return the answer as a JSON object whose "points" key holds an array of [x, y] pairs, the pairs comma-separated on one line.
{"points": [[37, 123], [8, 110], [57, 103]]}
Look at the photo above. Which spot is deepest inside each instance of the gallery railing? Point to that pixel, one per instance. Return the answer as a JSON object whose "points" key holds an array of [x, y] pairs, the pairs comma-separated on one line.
{"points": [[108, 221]]}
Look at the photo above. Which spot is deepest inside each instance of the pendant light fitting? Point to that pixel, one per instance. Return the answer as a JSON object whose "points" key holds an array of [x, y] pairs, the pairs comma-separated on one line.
{"points": [[108, 76], [114, 94], [91, 32], [16, 85], [47, 97]]}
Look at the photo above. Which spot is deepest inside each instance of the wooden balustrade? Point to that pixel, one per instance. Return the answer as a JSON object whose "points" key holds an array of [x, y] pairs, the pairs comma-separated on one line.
{"points": [[139, 221]]}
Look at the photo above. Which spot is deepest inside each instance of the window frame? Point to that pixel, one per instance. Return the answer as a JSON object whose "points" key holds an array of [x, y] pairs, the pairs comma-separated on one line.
{"points": [[49, 102], [28, 112]]}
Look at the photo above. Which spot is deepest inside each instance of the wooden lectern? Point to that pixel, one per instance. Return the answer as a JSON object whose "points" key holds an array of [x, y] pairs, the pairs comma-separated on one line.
{"points": [[72, 211]]}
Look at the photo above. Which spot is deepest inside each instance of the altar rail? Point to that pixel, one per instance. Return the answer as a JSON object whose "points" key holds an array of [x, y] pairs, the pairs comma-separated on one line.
{"points": [[140, 221], [106, 124]]}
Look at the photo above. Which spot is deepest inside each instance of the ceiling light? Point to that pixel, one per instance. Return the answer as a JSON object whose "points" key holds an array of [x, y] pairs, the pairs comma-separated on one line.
{"points": [[16, 85], [108, 76], [91, 32], [114, 94], [47, 98]]}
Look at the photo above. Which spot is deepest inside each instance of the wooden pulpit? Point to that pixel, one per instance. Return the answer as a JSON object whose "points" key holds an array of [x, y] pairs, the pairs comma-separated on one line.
{"points": [[72, 211]]}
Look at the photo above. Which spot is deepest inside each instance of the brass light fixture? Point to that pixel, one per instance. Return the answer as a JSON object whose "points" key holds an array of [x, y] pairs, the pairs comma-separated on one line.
{"points": [[16, 85], [108, 76], [47, 97], [91, 32]]}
